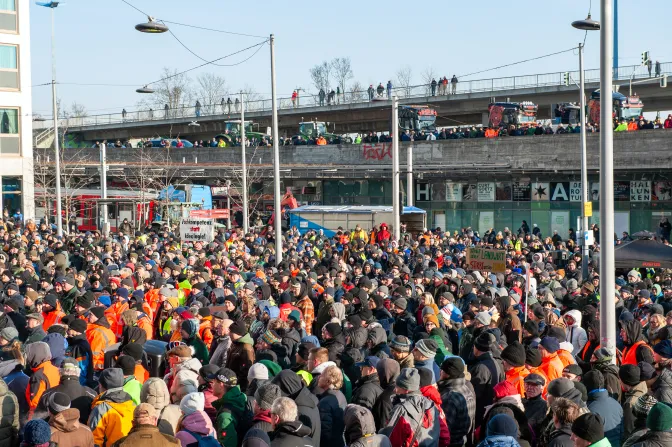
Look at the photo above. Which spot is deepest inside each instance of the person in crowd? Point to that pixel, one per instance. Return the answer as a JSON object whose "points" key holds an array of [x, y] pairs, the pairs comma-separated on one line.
{"points": [[144, 430], [155, 392], [81, 397], [112, 413], [67, 430], [195, 424], [230, 405], [588, 430], [288, 430], [360, 428]]}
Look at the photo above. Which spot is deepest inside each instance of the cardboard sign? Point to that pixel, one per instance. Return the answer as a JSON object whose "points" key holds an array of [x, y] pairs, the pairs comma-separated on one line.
{"points": [[211, 214], [486, 259], [197, 230]]}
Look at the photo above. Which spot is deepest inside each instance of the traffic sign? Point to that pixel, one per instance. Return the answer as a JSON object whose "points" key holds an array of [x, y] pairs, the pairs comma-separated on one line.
{"points": [[212, 214]]}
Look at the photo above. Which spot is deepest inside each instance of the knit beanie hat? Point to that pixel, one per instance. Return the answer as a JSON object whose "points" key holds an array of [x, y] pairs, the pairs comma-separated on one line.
{"points": [[58, 402], [401, 303], [427, 347], [36, 433], [629, 374], [602, 355], [409, 379], [266, 395], [127, 365], [238, 328], [559, 387], [190, 327], [502, 425], [256, 437], [112, 378], [78, 325], [484, 342], [192, 402], [643, 406], [271, 337], [660, 417], [454, 367], [426, 377], [505, 388], [134, 350], [589, 427], [532, 357], [258, 371], [401, 344], [664, 349], [593, 380], [431, 318], [333, 329], [9, 333], [550, 344], [514, 354], [646, 371]]}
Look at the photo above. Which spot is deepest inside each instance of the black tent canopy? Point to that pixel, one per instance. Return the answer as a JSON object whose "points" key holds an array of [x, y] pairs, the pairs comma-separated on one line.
{"points": [[647, 253]]}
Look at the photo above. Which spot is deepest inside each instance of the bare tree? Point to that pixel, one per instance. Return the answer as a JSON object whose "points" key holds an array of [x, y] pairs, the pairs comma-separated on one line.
{"points": [[427, 76], [404, 80], [342, 70], [175, 90], [210, 91], [78, 110], [357, 92], [253, 100], [255, 177], [320, 74]]}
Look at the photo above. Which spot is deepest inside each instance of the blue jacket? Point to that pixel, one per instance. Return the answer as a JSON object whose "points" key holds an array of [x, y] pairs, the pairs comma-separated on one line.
{"points": [[499, 441], [611, 411], [431, 365]]}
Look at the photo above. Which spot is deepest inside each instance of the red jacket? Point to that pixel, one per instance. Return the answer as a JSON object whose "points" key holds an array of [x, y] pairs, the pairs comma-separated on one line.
{"points": [[668, 123]]}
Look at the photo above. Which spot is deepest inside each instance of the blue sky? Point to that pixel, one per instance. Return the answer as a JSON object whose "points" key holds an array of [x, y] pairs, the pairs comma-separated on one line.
{"points": [[97, 42]]}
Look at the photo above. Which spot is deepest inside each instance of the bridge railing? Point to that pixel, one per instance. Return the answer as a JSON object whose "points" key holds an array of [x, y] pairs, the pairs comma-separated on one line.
{"points": [[310, 100]]}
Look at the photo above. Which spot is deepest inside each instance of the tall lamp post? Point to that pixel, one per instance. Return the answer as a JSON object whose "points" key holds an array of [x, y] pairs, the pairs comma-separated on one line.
{"points": [[59, 224], [277, 205], [586, 25]]}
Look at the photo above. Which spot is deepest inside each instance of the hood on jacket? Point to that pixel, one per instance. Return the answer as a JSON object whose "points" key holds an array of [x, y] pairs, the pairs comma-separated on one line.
{"points": [[218, 294], [377, 335], [633, 331], [291, 385], [198, 422], [37, 353], [246, 339], [431, 393], [339, 311], [234, 398], [294, 428], [467, 289], [357, 337], [504, 304], [577, 316], [155, 392], [319, 369], [57, 345], [358, 423], [66, 421], [193, 364], [9, 366]]}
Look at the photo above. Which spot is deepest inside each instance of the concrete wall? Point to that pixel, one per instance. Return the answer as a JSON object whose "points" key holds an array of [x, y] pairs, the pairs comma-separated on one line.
{"points": [[635, 151]]}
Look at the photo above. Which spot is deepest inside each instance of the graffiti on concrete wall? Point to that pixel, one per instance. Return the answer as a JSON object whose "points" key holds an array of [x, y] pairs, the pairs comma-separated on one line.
{"points": [[378, 151]]}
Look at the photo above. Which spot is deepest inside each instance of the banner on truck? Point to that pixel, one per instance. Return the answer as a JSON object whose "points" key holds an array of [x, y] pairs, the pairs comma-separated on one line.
{"points": [[486, 259], [197, 230]]}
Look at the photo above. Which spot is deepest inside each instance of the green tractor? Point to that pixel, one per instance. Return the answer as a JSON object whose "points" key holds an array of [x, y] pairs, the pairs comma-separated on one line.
{"points": [[311, 130], [232, 132]]}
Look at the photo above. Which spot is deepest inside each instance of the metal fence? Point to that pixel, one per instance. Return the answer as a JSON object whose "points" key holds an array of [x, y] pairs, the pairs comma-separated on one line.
{"points": [[635, 72]]}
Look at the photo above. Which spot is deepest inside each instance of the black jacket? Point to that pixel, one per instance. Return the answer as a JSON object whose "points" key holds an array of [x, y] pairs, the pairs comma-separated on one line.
{"points": [[382, 409], [485, 374], [19, 321], [535, 410], [291, 434], [335, 346], [79, 348], [81, 396], [292, 386], [654, 439], [332, 417], [366, 391], [561, 437], [404, 324]]}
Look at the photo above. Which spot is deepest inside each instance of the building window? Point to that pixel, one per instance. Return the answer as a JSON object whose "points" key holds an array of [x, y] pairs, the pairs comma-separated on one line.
{"points": [[12, 194], [9, 132], [8, 16], [9, 67]]}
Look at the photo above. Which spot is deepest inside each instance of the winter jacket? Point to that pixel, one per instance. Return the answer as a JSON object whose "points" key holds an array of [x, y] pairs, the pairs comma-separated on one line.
{"points": [[332, 407], [147, 436], [100, 337], [199, 423], [16, 380], [81, 398], [459, 406], [186, 371], [57, 345], [293, 386], [133, 387], [535, 411], [9, 420], [241, 358], [210, 397], [111, 417], [200, 349], [629, 400], [262, 421], [561, 437], [576, 335], [407, 414], [80, 350], [292, 434], [662, 387], [34, 335], [229, 410], [366, 391], [155, 392], [485, 374], [610, 410], [220, 351], [360, 429], [68, 431], [654, 439], [404, 324], [335, 346], [382, 408], [499, 441], [45, 375], [429, 364]]}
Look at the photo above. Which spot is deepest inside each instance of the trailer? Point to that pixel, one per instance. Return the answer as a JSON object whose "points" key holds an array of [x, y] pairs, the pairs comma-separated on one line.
{"points": [[329, 218]]}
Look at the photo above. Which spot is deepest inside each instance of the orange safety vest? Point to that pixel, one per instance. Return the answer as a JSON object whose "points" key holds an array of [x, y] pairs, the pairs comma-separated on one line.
{"points": [[152, 298], [629, 356], [539, 371], [99, 338], [145, 324], [140, 373], [632, 126], [552, 367], [205, 331], [516, 376], [566, 358], [113, 315], [52, 318], [582, 356]]}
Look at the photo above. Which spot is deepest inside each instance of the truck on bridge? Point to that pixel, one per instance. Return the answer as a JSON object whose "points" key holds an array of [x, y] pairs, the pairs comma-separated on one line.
{"points": [[504, 114], [624, 107]]}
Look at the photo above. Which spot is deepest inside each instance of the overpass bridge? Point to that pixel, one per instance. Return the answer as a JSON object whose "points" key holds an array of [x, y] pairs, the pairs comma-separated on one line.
{"points": [[355, 113]]}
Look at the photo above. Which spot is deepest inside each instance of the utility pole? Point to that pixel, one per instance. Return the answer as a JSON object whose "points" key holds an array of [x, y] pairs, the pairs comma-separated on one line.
{"points": [[59, 223], [228, 204], [396, 211], [607, 265], [409, 175], [584, 166], [103, 188], [276, 162], [246, 206]]}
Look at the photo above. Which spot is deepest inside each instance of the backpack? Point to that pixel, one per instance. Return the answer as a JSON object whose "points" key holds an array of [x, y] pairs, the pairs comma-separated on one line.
{"points": [[204, 441]]}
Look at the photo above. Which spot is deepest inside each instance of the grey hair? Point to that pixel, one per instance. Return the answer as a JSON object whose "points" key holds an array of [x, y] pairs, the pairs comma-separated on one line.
{"points": [[285, 409]]}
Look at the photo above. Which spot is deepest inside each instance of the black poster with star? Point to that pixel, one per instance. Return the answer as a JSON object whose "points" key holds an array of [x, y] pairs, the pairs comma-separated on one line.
{"points": [[522, 191], [540, 191]]}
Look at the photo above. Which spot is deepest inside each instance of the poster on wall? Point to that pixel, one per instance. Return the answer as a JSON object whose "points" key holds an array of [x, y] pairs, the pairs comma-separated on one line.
{"points": [[574, 191], [469, 191], [559, 191], [621, 191], [503, 191], [662, 191], [453, 192], [522, 191], [594, 192], [438, 191], [539, 191], [640, 191], [486, 192]]}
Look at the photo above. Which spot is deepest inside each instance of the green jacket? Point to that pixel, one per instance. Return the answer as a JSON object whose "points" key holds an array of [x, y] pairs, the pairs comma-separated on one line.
{"points": [[442, 352], [604, 442], [200, 350], [133, 387], [229, 408], [68, 300]]}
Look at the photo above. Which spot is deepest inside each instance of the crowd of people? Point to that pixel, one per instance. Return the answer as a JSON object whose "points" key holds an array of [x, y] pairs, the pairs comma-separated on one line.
{"points": [[352, 340]]}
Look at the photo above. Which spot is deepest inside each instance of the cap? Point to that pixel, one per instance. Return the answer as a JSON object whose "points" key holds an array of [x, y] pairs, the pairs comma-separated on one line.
{"points": [[371, 361], [535, 379], [226, 376], [35, 316]]}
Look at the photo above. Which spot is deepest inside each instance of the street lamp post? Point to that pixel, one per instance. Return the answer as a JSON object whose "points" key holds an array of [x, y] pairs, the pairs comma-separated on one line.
{"points": [[57, 149], [396, 205], [276, 162], [246, 206]]}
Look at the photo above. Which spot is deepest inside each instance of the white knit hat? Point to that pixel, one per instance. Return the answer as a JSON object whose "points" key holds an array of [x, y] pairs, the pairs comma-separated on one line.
{"points": [[192, 402], [258, 371]]}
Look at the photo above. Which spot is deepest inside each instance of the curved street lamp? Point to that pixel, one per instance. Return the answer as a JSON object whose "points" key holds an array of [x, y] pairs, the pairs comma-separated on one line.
{"points": [[151, 27], [144, 89], [587, 25]]}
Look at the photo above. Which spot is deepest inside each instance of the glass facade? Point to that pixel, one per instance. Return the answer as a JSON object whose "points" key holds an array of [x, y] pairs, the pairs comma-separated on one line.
{"points": [[9, 67], [9, 132], [12, 190], [8, 16]]}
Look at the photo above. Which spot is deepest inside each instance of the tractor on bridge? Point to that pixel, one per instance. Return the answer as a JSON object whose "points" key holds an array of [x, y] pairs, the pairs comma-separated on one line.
{"points": [[624, 107], [232, 132], [504, 114], [312, 130]]}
